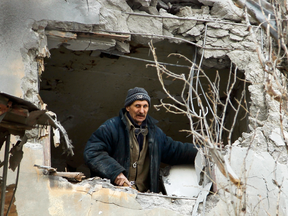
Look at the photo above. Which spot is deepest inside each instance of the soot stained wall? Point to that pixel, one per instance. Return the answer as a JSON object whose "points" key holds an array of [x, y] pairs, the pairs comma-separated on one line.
{"points": [[85, 88]]}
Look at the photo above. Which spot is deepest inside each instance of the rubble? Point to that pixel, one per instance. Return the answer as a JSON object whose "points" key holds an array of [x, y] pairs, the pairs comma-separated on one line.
{"points": [[220, 36], [265, 185]]}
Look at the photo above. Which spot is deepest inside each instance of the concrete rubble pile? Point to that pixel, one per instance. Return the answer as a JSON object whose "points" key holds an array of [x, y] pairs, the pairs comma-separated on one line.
{"points": [[258, 157]]}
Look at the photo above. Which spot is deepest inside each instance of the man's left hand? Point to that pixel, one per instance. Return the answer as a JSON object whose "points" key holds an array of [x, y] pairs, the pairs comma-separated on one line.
{"points": [[121, 179]]}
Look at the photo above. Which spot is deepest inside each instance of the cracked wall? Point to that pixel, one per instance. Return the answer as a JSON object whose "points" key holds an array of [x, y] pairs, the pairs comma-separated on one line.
{"points": [[73, 63], [227, 40]]}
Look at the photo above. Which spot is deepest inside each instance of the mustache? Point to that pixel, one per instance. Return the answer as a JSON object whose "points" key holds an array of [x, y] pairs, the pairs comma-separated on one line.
{"points": [[141, 115]]}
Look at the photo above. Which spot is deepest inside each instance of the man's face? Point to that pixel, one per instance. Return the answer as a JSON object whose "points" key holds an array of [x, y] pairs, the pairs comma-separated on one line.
{"points": [[138, 111]]}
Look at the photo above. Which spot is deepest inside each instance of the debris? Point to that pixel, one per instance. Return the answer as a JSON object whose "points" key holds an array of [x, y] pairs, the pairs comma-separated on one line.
{"points": [[72, 176], [53, 121], [65, 35], [261, 12], [202, 198], [47, 168], [182, 181], [56, 137], [279, 137]]}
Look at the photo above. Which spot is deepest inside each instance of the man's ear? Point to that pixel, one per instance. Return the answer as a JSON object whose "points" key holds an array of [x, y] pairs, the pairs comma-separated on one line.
{"points": [[127, 108]]}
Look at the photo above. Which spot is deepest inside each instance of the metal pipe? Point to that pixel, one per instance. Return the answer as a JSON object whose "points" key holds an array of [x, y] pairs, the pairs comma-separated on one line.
{"points": [[216, 20], [145, 60], [4, 176]]}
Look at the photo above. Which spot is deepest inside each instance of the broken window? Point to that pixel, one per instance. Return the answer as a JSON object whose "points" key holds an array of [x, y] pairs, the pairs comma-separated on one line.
{"points": [[86, 79], [87, 87]]}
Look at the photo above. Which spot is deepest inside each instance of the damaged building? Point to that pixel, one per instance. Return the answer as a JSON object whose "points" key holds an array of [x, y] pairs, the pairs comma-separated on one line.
{"points": [[66, 67]]}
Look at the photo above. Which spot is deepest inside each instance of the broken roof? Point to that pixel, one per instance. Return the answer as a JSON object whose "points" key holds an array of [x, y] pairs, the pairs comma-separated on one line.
{"points": [[18, 115]]}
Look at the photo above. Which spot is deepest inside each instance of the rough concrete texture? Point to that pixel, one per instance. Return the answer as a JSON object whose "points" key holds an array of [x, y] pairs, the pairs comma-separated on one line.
{"points": [[92, 16], [53, 195], [259, 153], [30, 187], [20, 44], [264, 189]]}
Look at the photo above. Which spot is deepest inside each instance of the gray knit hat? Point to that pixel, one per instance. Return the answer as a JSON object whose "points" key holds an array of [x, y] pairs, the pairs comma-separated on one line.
{"points": [[136, 94]]}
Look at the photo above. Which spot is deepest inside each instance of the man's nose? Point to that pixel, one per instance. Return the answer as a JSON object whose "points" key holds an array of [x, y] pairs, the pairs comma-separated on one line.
{"points": [[141, 109]]}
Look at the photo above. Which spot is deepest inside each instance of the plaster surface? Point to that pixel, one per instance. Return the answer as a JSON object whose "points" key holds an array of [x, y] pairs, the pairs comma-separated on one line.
{"points": [[265, 185], [17, 36], [23, 41]]}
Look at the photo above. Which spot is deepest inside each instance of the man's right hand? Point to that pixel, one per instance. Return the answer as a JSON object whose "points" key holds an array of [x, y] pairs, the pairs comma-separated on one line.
{"points": [[121, 179]]}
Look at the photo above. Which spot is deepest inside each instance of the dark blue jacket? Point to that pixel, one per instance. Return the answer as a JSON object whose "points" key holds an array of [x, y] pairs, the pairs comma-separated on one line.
{"points": [[107, 152]]}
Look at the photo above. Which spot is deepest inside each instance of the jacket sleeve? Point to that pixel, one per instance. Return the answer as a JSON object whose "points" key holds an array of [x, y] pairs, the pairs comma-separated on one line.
{"points": [[97, 154], [175, 152]]}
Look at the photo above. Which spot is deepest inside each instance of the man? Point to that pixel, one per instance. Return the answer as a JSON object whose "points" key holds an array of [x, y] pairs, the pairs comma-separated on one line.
{"points": [[128, 149]]}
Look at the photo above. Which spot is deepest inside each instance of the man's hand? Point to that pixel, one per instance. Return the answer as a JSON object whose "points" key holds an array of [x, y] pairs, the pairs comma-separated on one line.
{"points": [[121, 179]]}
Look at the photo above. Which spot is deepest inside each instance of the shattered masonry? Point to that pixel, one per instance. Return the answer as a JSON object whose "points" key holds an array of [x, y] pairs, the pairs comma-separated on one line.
{"points": [[258, 157]]}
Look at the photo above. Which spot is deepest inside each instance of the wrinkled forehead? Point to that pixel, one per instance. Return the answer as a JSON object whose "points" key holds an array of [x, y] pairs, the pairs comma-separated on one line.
{"points": [[140, 102]]}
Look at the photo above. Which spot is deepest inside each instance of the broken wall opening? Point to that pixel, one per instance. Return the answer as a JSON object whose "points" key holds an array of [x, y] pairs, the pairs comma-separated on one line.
{"points": [[85, 88]]}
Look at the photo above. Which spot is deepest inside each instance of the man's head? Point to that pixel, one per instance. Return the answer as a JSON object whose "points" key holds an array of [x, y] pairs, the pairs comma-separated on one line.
{"points": [[137, 103]]}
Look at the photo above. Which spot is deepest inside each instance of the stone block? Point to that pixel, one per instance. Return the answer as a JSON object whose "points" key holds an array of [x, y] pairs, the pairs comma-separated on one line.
{"points": [[210, 40], [241, 31], [195, 31], [221, 43], [147, 25], [235, 37], [216, 25], [226, 10], [214, 53], [123, 47], [251, 46], [169, 23], [114, 20], [217, 33], [186, 25]]}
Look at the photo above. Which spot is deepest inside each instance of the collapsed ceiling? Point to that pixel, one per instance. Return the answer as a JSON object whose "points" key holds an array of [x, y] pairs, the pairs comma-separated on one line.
{"points": [[103, 39], [88, 73]]}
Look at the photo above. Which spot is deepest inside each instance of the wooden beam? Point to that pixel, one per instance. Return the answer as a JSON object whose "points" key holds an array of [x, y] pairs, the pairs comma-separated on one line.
{"points": [[14, 110], [104, 35], [74, 35], [78, 176], [15, 126], [5, 108], [61, 34]]}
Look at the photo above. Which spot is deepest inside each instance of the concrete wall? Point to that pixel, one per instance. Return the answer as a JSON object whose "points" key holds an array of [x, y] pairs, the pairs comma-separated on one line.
{"points": [[18, 39], [85, 87], [23, 44], [39, 194]]}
